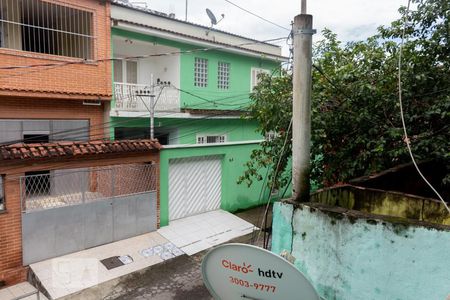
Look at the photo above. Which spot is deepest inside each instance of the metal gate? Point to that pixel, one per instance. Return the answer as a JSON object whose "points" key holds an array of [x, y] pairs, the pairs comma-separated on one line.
{"points": [[72, 210], [195, 185]]}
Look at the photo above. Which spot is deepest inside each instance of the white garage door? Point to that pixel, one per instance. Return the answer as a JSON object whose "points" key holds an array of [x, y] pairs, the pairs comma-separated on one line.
{"points": [[194, 185]]}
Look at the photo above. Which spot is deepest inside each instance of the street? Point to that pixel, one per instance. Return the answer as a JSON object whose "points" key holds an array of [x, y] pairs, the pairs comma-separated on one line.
{"points": [[178, 278]]}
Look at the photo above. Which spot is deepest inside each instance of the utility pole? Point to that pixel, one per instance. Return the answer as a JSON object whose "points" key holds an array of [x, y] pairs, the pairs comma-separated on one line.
{"points": [[185, 13], [152, 108], [301, 110], [151, 94]]}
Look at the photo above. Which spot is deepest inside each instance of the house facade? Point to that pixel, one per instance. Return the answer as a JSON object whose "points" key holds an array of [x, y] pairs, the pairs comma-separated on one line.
{"points": [[54, 81], [201, 80]]}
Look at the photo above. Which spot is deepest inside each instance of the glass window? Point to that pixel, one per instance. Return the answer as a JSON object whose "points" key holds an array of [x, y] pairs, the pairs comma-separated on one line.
{"points": [[223, 76], [254, 76], [211, 139], [132, 70], [118, 71], [201, 72]]}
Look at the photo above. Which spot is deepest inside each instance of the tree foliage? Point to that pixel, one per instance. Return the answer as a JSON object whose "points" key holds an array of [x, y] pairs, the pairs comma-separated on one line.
{"points": [[356, 125]]}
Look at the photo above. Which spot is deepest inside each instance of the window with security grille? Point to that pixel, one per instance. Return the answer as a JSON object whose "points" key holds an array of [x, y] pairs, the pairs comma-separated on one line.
{"points": [[223, 75], [211, 139], [46, 27], [37, 183], [201, 72], [2, 194]]}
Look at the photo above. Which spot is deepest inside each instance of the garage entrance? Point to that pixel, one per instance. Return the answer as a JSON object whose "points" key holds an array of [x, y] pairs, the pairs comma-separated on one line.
{"points": [[195, 185]]}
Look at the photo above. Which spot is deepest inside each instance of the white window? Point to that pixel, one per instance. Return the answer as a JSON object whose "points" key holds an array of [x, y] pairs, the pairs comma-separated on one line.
{"points": [[254, 76], [223, 75], [201, 72], [45, 27], [211, 139], [2, 194], [125, 71]]}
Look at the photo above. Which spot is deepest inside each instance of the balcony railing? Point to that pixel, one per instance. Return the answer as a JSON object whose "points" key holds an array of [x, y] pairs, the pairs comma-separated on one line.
{"points": [[126, 98]]}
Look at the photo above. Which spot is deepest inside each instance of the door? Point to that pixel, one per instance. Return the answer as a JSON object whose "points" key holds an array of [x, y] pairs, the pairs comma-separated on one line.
{"points": [[195, 185]]}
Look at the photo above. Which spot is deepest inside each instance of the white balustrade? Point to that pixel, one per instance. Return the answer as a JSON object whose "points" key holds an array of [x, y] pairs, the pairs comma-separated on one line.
{"points": [[127, 98]]}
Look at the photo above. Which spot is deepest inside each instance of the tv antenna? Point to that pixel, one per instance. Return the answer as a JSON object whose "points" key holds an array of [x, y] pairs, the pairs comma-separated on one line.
{"points": [[213, 19]]}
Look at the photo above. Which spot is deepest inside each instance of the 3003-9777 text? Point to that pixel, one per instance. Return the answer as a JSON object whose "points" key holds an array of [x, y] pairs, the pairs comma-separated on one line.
{"points": [[255, 285]]}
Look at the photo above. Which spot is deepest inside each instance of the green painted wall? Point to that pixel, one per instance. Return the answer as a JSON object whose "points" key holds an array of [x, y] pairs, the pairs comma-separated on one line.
{"points": [[234, 196], [349, 256], [240, 73], [235, 129]]}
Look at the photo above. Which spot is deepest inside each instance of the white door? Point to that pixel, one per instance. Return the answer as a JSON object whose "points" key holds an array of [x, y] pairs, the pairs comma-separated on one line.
{"points": [[194, 185]]}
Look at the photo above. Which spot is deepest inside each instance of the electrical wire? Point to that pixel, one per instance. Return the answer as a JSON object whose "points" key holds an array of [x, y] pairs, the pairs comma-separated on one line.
{"points": [[82, 61], [255, 15], [400, 101], [188, 133], [82, 130], [263, 224]]}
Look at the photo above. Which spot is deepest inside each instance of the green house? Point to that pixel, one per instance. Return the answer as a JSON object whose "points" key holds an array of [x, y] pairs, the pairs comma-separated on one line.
{"points": [[198, 79]]}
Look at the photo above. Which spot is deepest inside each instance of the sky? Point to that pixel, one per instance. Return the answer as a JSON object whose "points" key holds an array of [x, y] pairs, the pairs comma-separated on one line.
{"points": [[351, 19]]}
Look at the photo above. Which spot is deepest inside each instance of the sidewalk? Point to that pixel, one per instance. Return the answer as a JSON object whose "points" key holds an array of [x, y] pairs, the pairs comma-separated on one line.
{"points": [[22, 291], [69, 276]]}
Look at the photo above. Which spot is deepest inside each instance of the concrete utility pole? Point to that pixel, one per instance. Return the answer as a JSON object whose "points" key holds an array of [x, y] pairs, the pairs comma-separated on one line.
{"points": [[301, 110], [151, 108]]}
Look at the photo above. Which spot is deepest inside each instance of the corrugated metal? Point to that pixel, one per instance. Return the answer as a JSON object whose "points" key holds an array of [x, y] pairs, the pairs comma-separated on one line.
{"points": [[194, 185]]}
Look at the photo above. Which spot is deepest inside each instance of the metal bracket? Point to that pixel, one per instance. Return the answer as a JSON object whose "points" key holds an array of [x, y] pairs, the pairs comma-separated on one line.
{"points": [[306, 31]]}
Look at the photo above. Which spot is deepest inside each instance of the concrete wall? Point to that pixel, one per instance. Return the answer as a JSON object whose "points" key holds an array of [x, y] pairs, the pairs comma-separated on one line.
{"points": [[352, 255]]}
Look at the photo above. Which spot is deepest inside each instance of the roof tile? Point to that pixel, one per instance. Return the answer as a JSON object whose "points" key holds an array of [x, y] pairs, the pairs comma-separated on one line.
{"points": [[21, 151]]}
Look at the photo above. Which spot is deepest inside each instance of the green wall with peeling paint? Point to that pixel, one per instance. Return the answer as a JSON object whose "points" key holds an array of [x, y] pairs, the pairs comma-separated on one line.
{"points": [[360, 258]]}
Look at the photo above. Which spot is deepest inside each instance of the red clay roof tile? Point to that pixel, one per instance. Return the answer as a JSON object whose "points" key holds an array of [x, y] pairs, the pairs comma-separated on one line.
{"points": [[23, 151]]}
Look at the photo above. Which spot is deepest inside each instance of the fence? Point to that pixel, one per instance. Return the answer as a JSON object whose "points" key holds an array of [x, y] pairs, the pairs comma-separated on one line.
{"points": [[59, 188]]}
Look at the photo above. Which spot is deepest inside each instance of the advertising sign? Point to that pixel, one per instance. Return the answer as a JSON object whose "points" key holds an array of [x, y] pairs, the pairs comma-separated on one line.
{"points": [[240, 271]]}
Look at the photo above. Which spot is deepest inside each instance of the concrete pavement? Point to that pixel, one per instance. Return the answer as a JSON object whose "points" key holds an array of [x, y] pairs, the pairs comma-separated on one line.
{"points": [[178, 278]]}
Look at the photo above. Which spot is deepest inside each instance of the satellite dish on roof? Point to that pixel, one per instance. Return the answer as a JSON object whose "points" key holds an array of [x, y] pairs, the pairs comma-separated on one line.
{"points": [[211, 16]]}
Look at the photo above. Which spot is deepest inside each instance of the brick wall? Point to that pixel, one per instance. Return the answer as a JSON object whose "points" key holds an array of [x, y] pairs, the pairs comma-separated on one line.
{"points": [[89, 81], [11, 269], [51, 109]]}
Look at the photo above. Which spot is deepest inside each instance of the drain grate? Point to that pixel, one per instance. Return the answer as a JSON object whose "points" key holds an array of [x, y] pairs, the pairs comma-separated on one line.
{"points": [[112, 262]]}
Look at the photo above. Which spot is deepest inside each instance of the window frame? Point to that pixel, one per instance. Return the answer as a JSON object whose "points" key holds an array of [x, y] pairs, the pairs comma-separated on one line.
{"points": [[124, 64], [220, 138], [257, 71], [198, 75], [223, 75], [85, 35]]}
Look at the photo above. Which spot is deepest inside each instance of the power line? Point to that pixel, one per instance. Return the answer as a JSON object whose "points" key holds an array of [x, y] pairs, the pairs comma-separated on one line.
{"points": [[77, 62], [82, 130], [263, 224], [400, 101], [189, 133], [258, 16]]}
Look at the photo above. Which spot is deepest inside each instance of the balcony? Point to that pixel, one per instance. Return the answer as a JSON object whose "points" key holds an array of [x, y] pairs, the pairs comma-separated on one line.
{"points": [[126, 98]]}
